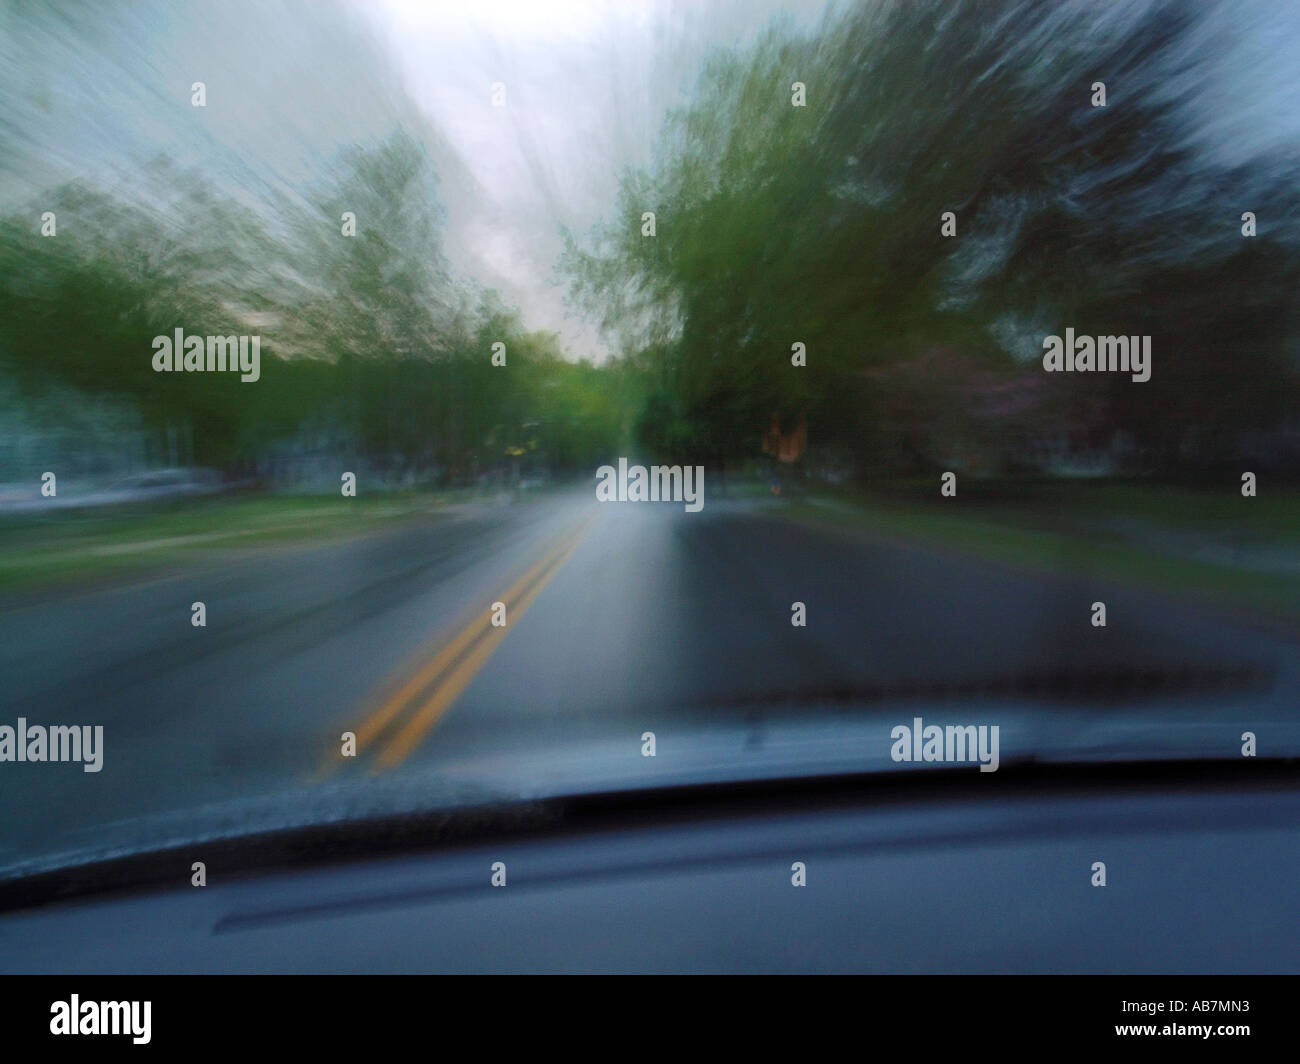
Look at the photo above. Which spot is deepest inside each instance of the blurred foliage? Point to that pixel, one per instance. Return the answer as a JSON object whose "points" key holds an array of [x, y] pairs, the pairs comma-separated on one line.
{"points": [[370, 348], [774, 224], [821, 224]]}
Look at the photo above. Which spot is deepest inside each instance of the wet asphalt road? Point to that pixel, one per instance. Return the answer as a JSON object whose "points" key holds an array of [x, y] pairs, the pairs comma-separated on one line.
{"points": [[619, 619]]}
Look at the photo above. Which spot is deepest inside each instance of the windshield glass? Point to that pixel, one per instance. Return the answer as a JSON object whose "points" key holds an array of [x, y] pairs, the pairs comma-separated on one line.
{"points": [[406, 405]]}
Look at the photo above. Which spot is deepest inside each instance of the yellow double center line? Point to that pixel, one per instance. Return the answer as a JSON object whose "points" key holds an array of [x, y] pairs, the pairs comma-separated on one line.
{"points": [[407, 715]]}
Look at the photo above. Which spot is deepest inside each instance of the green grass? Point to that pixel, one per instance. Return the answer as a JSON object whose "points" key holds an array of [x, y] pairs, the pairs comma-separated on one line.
{"points": [[1062, 527], [76, 546]]}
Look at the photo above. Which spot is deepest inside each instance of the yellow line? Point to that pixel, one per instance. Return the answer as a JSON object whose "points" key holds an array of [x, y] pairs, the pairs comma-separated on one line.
{"points": [[477, 628], [380, 719], [392, 705], [451, 687]]}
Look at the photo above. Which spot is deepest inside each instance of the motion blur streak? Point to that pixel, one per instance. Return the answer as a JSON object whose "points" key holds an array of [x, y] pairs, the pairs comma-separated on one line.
{"points": [[477, 635], [486, 643], [812, 251]]}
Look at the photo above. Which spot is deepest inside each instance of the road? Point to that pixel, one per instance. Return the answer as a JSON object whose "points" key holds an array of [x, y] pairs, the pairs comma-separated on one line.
{"points": [[620, 619]]}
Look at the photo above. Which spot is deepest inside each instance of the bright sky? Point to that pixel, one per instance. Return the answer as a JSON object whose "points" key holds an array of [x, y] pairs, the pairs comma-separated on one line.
{"points": [[292, 82], [587, 85]]}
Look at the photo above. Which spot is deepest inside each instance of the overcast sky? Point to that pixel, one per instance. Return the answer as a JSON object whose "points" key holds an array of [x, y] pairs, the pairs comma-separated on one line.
{"points": [[91, 91], [587, 86]]}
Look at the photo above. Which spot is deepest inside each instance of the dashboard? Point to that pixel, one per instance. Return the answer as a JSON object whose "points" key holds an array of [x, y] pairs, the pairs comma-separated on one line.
{"points": [[1196, 880]]}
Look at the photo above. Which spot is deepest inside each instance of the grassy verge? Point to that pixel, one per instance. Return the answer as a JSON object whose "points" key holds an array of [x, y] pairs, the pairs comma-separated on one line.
{"points": [[77, 546], [1136, 535]]}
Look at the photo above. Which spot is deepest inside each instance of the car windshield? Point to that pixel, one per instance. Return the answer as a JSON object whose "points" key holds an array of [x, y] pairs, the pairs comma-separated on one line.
{"points": [[405, 406]]}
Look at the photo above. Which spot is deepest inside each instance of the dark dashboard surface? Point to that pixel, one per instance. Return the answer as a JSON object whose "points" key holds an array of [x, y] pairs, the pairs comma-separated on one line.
{"points": [[1197, 881]]}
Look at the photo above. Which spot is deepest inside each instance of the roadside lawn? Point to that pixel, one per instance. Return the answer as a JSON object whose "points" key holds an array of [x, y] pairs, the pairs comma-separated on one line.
{"points": [[83, 546], [1218, 546]]}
